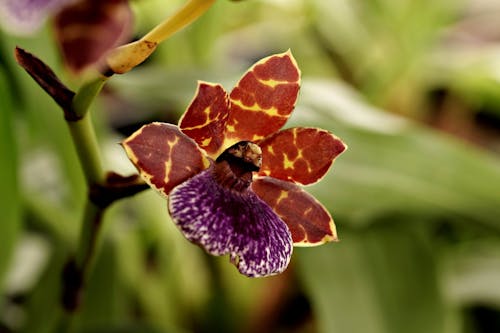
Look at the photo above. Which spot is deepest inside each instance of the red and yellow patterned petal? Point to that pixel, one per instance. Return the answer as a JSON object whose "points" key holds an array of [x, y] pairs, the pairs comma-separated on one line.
{"points": [[307, 219], [206, 117], [263, 99], [302, 155], [164, 156]]}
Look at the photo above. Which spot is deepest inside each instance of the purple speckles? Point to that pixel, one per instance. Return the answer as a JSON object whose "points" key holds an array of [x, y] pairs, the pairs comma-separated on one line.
{"points": [[224, 221]]}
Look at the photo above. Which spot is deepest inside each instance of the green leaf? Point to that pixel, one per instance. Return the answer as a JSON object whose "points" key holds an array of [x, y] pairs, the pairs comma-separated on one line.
{"points": [[43, 311], [104, 303], [9, 191], [472, 273], [395, 177], [379, 280]]}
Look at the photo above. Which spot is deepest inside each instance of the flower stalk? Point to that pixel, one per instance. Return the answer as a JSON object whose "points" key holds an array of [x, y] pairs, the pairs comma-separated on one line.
{"points": [[126, 57], [183, 17], [103, 189]]}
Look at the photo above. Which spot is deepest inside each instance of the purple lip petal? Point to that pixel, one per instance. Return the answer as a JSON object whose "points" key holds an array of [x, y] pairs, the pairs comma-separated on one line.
{"points": [[224, 221]]}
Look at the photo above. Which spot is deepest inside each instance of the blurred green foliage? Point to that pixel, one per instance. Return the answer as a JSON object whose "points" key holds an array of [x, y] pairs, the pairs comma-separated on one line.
{"points": [[9, 199], [411, 86]]}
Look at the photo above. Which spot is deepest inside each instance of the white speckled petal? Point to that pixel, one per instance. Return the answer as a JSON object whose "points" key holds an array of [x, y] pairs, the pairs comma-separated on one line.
{"points": [[225, 221]]}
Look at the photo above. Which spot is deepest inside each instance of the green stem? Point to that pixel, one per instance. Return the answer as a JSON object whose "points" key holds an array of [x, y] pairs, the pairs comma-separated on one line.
{"points": [[86, 146], [102, 190], [83, 134], [86, 95]]}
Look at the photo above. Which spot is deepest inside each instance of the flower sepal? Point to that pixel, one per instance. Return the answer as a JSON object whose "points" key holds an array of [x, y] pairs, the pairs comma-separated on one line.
{"points": [[164, 156]]}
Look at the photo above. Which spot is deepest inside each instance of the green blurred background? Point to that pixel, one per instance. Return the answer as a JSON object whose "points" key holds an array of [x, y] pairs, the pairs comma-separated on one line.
{"points": [[413, 88]]}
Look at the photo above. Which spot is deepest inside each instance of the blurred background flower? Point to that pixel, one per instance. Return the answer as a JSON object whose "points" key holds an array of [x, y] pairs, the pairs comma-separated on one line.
{"points": [[27, 16], [412, 86]]}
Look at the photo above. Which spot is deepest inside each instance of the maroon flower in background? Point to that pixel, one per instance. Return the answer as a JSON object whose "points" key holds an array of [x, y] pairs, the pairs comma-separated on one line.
{"points": [[89, 29], [232, 177]]}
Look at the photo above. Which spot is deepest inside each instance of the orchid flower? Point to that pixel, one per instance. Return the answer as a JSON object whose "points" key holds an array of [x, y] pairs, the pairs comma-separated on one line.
{"points": [[233, 178]]}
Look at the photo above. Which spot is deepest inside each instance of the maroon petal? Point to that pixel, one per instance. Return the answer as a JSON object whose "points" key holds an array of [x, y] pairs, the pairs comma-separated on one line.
{"points": [[89, 29], [263, 99], [205, 119], [301, 154], [308, 220], [164, 156], [224, 221]]}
